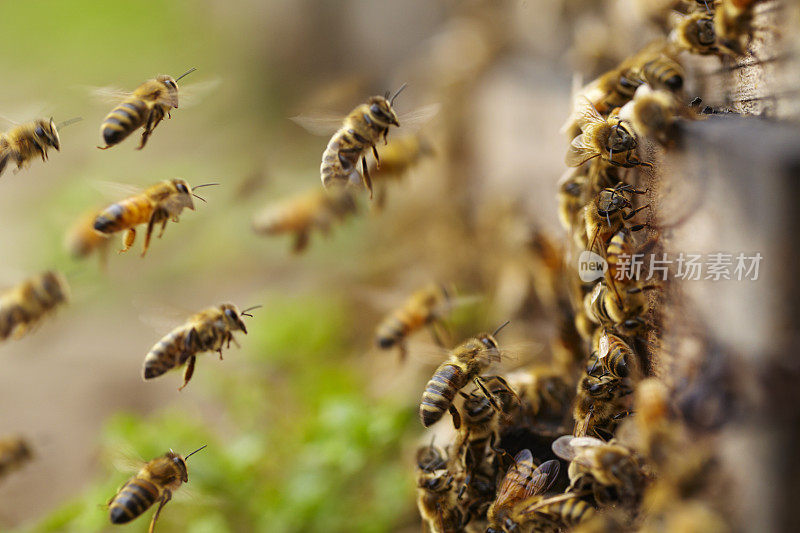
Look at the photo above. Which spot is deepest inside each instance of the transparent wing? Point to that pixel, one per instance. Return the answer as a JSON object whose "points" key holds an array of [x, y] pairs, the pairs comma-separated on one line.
{"points": [[115, 191], [319, 124], [194, 93], [569, 448], [413, 120], [578, 152], [514, 486], [108, 94], [586, 114], [162, 318]]}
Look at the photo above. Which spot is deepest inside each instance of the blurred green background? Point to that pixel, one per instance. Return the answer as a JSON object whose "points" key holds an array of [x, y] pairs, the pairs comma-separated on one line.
{"points": [[308, 426]]}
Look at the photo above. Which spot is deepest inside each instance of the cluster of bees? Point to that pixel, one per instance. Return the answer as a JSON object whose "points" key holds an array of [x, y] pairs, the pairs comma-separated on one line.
{"points": [[631, 462], [591, 406]]}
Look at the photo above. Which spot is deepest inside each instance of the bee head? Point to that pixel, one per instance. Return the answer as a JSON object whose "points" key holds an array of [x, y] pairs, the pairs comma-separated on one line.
{"points": [[704, 32], [184, 191], [180, 463], [46, 131], [171, 87], [381, 110], [610, 201], [620, 139], [436, 481], [54, 286]]}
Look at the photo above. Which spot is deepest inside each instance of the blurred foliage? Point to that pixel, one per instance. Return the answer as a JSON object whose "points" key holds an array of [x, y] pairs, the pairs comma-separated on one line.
{"points": [[298, 452]]}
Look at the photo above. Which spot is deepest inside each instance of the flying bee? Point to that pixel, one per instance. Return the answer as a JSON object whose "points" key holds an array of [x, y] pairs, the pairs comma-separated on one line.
{"points": [[144, 107], [304, 213], [82, 239], [25, 141], [522, 481], [609, 465], [607, 213], [615, 356], [466, 363], [23, 306], [362, 129], [695, 33], [155, 482], [425, 307], [206, 331], [157, 204], [599, 403], [611, 139], [733, 23], [397, 158], [14, 452]]}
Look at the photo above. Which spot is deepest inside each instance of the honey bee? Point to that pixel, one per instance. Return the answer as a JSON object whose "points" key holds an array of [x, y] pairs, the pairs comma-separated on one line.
{"points": [[656, 68], [571, 199], [607, 213], [624, 312], [25, 141], [466, 363], [599, 403], [362, 129], [426, 306], [14, 452], [652, 114], [144, 107], [522, 481], [611, 139], [431, 458], [303, 213], [615, 356], [157, 204], [695, 33], [82, 239], [544, 390], [400, 155], [609, 465], [23, 306], [155, 482], [733, 23], [437, 503], [206, 331], [555, 513]]}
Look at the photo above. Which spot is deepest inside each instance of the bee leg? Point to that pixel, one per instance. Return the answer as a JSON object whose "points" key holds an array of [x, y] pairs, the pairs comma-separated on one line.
{"points": [[148, 128], [231, 338], [155, 217], [508, 387], [3, 163], [164, 499], [633, 212], [402, 351], [300, 242], [439, 333], [456, 416], [219, 351], [163, 227], [377, 159], [500, 451], [187, 374], [127, 240], [385, 133], [365, 176], [489, 395]]}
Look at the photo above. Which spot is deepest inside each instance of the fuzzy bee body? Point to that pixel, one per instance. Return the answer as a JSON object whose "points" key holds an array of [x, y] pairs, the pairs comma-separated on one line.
{"points": [[25, 305], [26, 141], [424, 307], [206, 331], [14, 451]]}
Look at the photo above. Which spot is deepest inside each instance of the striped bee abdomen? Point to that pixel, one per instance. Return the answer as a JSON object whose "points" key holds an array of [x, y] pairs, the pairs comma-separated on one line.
{"points": [[167, 354], [396, 327], [125, 214], [123, 120], [440, 391], [135, 497]]}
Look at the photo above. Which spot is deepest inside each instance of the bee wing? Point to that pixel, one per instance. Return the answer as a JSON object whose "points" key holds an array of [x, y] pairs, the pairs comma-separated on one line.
{"points": [[162, 318], [586, 113], [319, 124], [523, 481], [579, 152], [114, 191], [570, 448], [413, 120], [108, 94], [194, 93]]}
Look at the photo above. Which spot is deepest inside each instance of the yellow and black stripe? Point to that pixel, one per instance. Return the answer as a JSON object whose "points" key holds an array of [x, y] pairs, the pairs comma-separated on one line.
{"points": [[135, 497], [440, 391], [124, 120]]}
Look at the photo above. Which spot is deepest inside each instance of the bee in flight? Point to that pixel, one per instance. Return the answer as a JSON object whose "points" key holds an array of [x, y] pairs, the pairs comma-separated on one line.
{"points": [[82, 239], [25, 141], [466, 363], [157, 204], [424, 307], [155, 482], [206, 331], [303, 213], [23, 306], [144, 107], [14, 452]]}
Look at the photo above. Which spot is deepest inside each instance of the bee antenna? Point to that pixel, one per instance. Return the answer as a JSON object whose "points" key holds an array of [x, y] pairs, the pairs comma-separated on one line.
{"points": [[245, 312], [68, 122], [204, 185], [194, 452], [504, 324], [391, 102], [199, 197], [186, 73]]}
